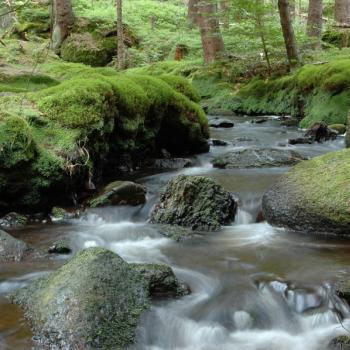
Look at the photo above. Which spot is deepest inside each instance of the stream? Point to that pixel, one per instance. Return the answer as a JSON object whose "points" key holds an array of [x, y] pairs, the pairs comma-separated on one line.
{"points": [[254, 286]]}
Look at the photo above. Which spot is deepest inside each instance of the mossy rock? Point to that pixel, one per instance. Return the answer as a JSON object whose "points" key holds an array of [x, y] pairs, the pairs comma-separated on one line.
{"points": [[86, 124], [195, 202], [120, 193], [88, 49], [105, 316], [340, 128], [314, 196], [34, 19], [12, 220]]}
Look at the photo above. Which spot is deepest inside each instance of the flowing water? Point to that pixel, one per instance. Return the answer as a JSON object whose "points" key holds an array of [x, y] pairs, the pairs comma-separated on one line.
{"points": [[254, 287]]}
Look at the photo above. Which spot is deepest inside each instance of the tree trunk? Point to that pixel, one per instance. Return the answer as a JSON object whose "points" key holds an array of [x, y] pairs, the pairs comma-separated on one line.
{"points": [[193, 11], [63, 20], [342, 12], [121, 57], [212, 42], [314, 20], [342, 17], [224, 9], [288, 32]]}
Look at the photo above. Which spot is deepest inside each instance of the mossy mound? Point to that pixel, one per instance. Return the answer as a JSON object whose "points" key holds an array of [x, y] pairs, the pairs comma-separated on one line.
{"points": [[314, 196], [313, 93], [52, 139], [106, 314]]}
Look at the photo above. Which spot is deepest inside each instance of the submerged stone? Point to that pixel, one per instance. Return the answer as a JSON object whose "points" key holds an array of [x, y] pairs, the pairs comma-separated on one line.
{"points": [[94, 301], [257, 158], [195, 202]]}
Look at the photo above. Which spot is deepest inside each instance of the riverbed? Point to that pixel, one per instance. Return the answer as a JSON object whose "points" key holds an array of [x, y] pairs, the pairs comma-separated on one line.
{"points": [[254, 286]]}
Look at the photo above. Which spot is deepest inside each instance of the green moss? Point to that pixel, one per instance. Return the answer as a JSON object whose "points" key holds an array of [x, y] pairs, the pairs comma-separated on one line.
{"points": [[85, 48], [341, 128], [25, 82], [318, 182], [316, 92], [16, 142], [181, 85]]}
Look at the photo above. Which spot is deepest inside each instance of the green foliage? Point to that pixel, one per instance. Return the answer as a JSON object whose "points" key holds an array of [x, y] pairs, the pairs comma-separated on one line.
{"points": [[16, 142], [315, 92]]}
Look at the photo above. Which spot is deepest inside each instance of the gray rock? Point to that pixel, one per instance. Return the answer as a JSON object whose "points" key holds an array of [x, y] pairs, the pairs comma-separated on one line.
{"points": [[94, 301], [59, 247], [195, 202], [221, 123], [15, 250], [257, 158], [216, 142], [120, 193], [172, 163], [162, 283]]}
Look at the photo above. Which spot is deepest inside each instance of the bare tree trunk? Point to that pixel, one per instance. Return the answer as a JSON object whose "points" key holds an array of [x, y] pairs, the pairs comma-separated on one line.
{"points": [[288, 32], [212, 42], [121, 57], [63, 20], [342, 17], [314, 20]]}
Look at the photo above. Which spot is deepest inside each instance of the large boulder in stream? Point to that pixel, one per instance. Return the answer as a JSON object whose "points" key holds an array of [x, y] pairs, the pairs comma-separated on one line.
{"points": [[313, 196], [257, 158], [196, 202], [15, 250], [120, 193], [94, 301]]}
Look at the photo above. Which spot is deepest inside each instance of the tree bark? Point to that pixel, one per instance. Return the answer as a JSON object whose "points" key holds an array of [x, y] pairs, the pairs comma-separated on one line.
{"points": [[224, 9], [193, 11], [288, 32], [120, 34], [314, 20], [342, 12], [212, 42], [63, 20], [342, 17]]}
